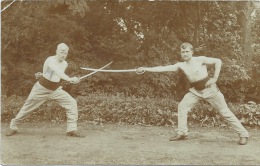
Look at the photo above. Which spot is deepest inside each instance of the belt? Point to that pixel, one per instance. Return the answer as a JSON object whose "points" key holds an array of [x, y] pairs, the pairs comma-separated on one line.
{"points": [[49, 84], [200, 85]]}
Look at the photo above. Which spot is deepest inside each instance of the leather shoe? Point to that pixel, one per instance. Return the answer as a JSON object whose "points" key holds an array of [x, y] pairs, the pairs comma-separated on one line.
{"points": [[74, 134], [242, 140], [10, 132], [179, 137]]}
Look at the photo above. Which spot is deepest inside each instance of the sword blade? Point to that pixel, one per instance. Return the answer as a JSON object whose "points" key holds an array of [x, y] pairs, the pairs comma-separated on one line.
{"points": [[97, 70], [113, 71]]}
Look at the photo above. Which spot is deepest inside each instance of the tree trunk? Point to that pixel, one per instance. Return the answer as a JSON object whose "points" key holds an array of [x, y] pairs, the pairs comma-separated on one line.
{"points": [[245, 22], [197, 25]]}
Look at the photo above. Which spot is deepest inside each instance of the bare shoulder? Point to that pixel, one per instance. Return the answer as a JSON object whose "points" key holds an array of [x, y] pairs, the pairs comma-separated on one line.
{"points": [[200, 58], [65, 63], [179, 64], [208, 60], [50, 59]]}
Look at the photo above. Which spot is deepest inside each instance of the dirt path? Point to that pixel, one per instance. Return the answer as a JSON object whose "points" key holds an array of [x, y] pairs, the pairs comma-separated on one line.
{"points": [[46, 144]]}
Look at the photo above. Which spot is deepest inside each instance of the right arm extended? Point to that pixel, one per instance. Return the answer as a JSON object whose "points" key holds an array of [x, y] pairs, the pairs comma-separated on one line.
{"points": [[173, 68], [62, 74], [59, 72]]}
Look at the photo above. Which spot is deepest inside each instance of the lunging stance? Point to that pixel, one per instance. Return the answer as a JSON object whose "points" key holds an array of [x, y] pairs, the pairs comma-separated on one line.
{"points": [[203, 88], [48, 88]]}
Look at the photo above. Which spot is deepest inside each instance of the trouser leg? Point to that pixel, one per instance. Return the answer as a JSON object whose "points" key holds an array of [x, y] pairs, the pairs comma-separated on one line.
{"points": [[36, 97], [219, 103], [187, 103], [70, 104]]}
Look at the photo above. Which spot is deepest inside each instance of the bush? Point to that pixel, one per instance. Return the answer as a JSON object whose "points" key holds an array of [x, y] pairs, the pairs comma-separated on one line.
{"points": [[120, 109], [49, 111], [10, 106], [128, 110], [249, 114]]}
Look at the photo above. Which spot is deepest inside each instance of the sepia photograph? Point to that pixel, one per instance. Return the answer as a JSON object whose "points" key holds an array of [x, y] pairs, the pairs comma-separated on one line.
{"points": [[130, 82]]}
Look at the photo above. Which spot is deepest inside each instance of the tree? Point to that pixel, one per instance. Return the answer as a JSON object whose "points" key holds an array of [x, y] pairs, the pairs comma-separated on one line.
{"points": [[94, 32], [245, 10]]}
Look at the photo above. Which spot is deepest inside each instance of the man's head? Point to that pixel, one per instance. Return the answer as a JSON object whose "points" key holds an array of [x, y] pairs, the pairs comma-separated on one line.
{"points": [[62, 51], [186, 51]]}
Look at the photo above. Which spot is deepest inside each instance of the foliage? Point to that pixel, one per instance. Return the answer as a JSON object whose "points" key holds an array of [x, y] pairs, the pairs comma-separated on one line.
{"points": [[10, 106], [106, 108], [234, 80], [128, 110], [91, 30], [249, 114], [49, 111]]}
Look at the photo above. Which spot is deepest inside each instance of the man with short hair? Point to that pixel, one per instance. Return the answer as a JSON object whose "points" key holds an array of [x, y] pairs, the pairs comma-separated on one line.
{"points": [[48, 88], [203, 88]]}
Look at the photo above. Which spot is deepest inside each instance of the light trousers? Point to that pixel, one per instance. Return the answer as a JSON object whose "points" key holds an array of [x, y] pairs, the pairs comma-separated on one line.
{"points": [[38, 96], [217, 100]]}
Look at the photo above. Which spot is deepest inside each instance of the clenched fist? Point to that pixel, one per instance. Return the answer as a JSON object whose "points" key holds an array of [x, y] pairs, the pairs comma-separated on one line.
{"points": [[74, 80], [38, 75]]}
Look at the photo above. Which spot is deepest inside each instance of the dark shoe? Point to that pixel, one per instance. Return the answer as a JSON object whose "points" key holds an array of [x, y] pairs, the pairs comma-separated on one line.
{"points": [[242, 140], [74, 134], [179, 137], [10, 132]]}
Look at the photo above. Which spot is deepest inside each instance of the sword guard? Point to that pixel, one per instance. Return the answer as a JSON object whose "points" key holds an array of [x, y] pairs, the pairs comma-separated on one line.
{"points": [[139, 72]]}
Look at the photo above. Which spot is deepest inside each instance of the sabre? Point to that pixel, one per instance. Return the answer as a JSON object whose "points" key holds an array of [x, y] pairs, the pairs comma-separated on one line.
{"points": [[97, 70], [113, 71]]}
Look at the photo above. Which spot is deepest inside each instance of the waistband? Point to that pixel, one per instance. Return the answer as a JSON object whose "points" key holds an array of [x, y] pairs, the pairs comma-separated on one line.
{"points": [[49, 84], [200, 85]]}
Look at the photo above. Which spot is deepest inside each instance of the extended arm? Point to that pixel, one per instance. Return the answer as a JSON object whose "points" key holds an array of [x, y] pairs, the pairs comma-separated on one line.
{"points": [[173, 68], [62, 74], [59, 72]]}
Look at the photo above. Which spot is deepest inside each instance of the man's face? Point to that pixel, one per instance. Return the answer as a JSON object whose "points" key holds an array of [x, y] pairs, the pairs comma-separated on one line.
{"points": [[62, 53], [186, 53]]}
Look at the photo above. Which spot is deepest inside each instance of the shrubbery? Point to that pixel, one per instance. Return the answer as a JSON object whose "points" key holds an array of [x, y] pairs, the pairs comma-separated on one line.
{"points": [[248, 114], [120, 109]]}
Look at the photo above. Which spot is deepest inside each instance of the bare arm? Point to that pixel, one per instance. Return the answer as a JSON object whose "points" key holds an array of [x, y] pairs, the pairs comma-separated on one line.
{"points": [[217, 64], [62, 74], [213, 61], [173, 68], [59, 72]]}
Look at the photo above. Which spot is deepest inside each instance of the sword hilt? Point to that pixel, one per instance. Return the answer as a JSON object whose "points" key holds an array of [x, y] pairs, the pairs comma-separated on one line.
{"points": [[139, 72]]}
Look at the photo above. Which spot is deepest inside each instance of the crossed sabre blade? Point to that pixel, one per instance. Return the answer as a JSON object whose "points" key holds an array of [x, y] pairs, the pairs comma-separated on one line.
{"points": [[97, 70], [39, 74], [112, 71]]}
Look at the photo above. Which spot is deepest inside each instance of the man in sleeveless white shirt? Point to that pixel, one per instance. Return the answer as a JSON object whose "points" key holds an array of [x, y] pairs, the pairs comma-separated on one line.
{"points": [[48, 88], [203, 88]]}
